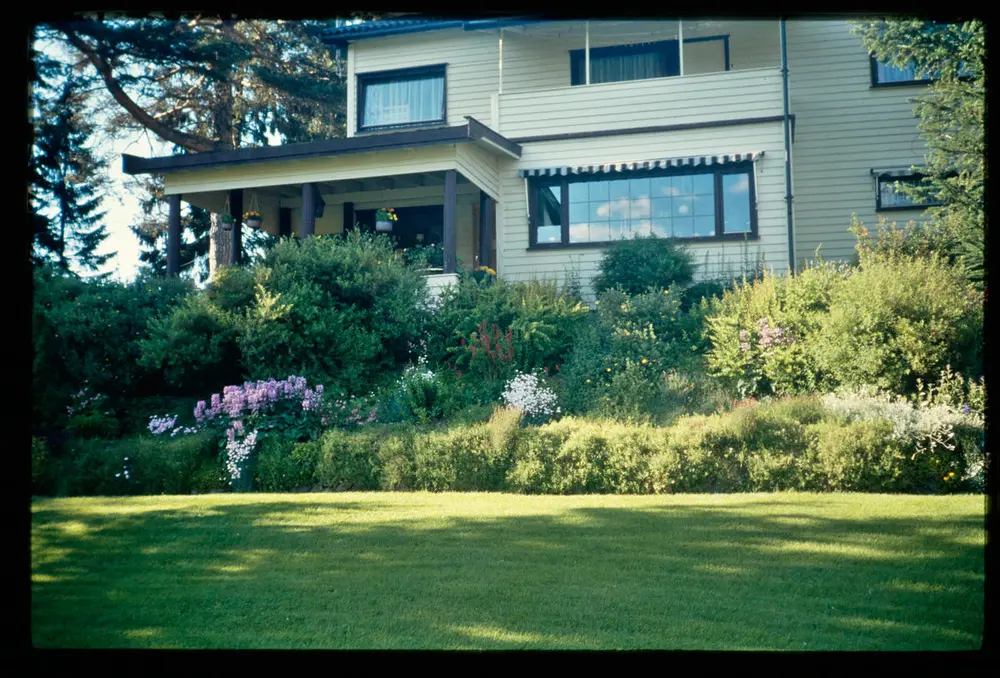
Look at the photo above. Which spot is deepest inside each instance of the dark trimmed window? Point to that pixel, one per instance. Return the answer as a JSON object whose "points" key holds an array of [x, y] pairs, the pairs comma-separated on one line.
{"points": [[691, 204], [884, 75], [888, 196], [402, 98], [626, 62]]}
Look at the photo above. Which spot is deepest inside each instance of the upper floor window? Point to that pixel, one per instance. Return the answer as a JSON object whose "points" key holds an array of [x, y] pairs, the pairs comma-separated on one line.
{"points": [[412, 96], [693, 203], [885, 75], [626, 62], [888, 195]]}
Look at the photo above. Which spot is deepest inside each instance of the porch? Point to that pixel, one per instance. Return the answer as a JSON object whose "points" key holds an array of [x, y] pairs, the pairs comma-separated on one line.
{"points": [[443, 182]]}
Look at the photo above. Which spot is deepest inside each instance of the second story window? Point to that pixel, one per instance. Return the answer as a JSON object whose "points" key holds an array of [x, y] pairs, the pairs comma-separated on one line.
{"points": [[885, 75], [626, 62], [402, 98], [889, 197]]}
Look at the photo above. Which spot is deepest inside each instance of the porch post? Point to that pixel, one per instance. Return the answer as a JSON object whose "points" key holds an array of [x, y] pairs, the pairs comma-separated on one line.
{"points": [[450, 212], [308, 211], [174, 234], [348, 217], [487, 221], [236, 209]]}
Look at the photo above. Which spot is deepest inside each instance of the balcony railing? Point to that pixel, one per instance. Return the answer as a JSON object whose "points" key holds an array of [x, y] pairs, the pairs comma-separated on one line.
{"points": [[677, 100]]}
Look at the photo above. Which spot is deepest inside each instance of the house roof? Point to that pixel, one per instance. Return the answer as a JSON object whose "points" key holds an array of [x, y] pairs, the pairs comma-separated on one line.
{"points": [[472, 131], [341, 35]]}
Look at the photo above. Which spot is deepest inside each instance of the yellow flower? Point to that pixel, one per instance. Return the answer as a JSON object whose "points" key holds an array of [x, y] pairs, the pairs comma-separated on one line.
{"points": [[588, 381], [645, 362], [607, 369], [666, 291]]}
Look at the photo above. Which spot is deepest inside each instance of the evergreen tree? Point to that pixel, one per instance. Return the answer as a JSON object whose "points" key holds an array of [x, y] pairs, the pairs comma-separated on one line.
{"points": [[66, 179], [951, 119]]}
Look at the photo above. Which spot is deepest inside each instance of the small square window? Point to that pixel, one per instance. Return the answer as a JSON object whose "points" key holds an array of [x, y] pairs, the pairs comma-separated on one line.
{"points": [[888, 195]]}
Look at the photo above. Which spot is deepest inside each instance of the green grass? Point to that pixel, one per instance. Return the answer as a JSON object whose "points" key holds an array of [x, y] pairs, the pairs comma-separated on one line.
{"points": [[451, 571]]}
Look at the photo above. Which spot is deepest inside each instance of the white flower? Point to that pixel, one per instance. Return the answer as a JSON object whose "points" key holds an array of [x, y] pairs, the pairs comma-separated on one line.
{"points": [[526, 393]]}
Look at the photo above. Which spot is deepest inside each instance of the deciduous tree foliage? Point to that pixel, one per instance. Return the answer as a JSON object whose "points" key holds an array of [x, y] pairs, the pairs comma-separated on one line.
{"points": [[952, 118]]}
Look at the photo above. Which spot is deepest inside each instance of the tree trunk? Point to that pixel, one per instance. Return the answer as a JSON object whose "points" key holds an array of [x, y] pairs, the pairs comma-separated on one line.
{"points": [[220, 246]]}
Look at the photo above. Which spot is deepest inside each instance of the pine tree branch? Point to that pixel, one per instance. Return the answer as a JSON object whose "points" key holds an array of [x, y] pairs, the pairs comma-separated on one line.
{"points": [[188, 141]]}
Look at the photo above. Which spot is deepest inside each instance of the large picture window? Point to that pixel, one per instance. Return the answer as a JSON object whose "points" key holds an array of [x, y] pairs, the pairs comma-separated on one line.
{"points": [[692, 203], [404, 98], [626, 62]]}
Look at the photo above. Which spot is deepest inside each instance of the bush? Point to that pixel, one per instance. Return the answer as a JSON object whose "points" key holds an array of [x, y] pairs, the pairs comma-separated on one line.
{"points": [[348, 461], [138, 465], [896, 320], [284, 465], [858, 457], [87, 334], [634, 266], [341, 311], [534, 322], [41, 466]]}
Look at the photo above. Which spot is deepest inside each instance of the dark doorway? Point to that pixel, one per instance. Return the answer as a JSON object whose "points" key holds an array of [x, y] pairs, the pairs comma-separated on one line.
{"points": [[423, 225]]}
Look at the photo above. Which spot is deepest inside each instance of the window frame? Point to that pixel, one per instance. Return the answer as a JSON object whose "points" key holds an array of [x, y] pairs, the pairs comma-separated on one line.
{"points": [[362, 80], [576, 56], [718, 171], [892, 178], [873, 64]]}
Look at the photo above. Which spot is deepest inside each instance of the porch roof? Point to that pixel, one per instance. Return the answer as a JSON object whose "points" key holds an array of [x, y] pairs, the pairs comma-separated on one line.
{"points": [[473, 131]]}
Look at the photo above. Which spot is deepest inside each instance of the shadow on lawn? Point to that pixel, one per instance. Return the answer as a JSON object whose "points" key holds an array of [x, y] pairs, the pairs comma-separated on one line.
{"points": [[336, 574]]}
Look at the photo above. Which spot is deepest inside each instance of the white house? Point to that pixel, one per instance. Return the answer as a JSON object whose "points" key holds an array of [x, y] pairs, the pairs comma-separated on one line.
{"points": [[529, 145]]}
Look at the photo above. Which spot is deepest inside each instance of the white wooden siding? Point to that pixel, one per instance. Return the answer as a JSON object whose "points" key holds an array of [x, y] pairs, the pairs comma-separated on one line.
{"points": [[641, 103], [480, 167], [843, 129], [517, 262]]}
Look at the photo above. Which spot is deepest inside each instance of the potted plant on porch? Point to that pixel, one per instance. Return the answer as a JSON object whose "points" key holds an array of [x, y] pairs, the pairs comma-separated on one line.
{"points": [[227, 221], [252, 219], [384, 217]]}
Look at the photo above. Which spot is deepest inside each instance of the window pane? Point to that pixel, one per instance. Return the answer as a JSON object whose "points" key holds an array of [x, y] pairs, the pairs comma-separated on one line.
{"points": [[683, 228], [661, 228], [886, 73], [659, 186], [619, 189], [704, 226], [640, 228], [704, 184], [736, 203], [890, 196], [618, 230], [661, 207], [598, 190], [600, 232], [549, 234], [578, 192], [599, 211], [682, 186], [400, 102], [704, 205], [579, 232], [631, 62], [618, 208], [639, 188], [578, 212], [683, 207]]}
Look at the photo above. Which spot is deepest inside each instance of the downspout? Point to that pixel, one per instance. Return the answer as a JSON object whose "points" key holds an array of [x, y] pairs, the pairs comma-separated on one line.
{"points": [[680, 45], [788, 149], [586, 51]]}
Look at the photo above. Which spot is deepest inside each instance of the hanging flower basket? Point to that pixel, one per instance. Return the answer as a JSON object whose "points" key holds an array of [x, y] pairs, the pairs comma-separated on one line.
{"points": [[227, 222], [253, 219], [384, 217]]}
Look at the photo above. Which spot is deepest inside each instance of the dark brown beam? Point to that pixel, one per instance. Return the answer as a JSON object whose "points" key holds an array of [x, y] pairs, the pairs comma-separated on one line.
{"points": [[348, 216], [284, 221], [308, 211], [236, 209], [174, 235], [450, 228]]}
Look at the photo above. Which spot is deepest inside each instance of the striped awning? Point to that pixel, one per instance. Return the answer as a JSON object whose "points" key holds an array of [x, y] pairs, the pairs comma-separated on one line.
{"points": [[662, 163]]}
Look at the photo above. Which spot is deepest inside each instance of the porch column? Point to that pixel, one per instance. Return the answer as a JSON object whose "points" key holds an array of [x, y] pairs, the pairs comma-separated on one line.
{"points": [[236, 209], [487, 221], [174, 235], [450, 243], [308, 211], [348, 217]]}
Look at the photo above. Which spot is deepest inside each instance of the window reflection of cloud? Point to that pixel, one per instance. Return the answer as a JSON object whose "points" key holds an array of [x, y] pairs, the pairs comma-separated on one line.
{"points": [[742, 184]]}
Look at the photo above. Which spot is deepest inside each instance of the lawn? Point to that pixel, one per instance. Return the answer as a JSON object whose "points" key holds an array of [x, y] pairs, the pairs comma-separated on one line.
{"points": [[498, 571]]}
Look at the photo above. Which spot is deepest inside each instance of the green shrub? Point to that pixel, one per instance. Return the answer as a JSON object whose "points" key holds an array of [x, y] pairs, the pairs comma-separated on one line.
{"points": [[860, 456], [210, 476], [284, 465], [349, 460], [396, 457], [539, 318], [634, 266], [897, 320], [87, 334], [139, 465], [339, 311]]}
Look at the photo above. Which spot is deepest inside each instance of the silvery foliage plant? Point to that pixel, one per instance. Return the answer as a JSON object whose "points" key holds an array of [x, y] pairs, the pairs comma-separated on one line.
{"points": [[527, 393], [927, 426]]}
